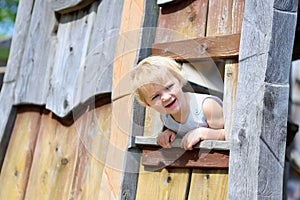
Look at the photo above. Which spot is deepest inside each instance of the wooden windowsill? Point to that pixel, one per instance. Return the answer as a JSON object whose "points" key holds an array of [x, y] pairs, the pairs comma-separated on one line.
{"points": [[212, 154], [205, 144]]}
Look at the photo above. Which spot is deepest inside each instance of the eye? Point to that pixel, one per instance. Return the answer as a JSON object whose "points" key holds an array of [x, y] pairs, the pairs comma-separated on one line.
{"points": [[154, 97], [170, 86]]}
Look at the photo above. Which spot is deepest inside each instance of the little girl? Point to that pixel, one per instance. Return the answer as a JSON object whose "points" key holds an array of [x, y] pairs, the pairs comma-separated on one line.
{"points": [[157, 82]]}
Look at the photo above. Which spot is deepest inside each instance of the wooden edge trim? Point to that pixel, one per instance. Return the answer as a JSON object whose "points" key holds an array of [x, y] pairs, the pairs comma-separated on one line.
{"points": [[63, 7], [143, 141], [177, 157], [200, 48]]}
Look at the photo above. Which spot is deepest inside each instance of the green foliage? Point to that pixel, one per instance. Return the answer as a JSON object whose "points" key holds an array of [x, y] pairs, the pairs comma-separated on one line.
{"points": [[8, 11]]}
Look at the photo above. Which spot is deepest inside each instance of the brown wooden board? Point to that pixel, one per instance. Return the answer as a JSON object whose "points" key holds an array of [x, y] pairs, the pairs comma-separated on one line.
{"points": [[178, 157], [125, 59], [93, 129], [209, 184], [199, 48], [17, 164], [163, 184], [55, 157], [181, 20], [225, 17]]}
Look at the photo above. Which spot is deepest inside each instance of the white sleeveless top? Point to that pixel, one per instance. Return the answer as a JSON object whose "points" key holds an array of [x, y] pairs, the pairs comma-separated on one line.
{"points": [[196, 117]]}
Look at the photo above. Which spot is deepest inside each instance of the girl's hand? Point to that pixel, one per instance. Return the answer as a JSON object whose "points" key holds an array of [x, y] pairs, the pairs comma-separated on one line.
{"points": [[191, 138], [194, 136], [165, 137]]}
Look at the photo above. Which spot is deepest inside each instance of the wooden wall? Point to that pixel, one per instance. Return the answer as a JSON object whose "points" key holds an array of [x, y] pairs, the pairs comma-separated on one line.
{"points": [[68, 139], [179, 22]]}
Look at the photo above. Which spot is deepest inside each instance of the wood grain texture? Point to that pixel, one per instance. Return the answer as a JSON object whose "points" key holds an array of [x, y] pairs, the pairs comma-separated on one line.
{"points": [[125, 59], [69, 6], [224, 17], [178, 157], [38, 55], [230, 84], [93, 128], [163, 184], [13, 67], [262, 103], [209, 184], [54, 162], [199, 48], [97, 73], [181, 20], [69, 60], [17, 164]]}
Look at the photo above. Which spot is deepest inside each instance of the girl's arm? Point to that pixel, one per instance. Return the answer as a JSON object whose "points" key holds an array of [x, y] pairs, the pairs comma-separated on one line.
{"points": [[213, 113]]}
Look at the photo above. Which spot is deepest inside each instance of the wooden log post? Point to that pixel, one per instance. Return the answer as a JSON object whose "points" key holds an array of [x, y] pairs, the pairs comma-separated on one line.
{"points": [[259, 129]]}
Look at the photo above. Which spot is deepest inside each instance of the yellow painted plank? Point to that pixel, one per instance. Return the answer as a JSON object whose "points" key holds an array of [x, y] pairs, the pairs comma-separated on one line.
{"points": [[19, 155], [125, 57], [54, 160], [209, 185], [94, 129], [163, 185]]}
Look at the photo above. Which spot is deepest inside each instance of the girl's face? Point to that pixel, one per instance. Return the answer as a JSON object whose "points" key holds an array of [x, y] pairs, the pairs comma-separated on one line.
{"points": [[167, 98]]}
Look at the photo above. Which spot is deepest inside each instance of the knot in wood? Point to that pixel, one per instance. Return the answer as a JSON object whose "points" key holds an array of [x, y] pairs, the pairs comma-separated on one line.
{"points": [[64, 161]]}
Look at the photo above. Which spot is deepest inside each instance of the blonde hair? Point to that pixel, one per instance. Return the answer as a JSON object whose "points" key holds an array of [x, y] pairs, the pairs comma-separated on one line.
{"points": [[152, 70]]}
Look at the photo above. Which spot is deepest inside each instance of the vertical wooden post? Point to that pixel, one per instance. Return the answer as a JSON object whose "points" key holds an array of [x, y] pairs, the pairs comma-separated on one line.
{"points": [[259, 129]]}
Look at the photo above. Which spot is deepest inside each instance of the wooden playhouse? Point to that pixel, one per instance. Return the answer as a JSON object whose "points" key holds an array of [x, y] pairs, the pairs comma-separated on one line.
{"points": [[69, 128]]}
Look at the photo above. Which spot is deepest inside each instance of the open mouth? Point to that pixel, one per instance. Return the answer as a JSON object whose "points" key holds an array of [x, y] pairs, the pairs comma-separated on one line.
{"points": [[171, 104]]}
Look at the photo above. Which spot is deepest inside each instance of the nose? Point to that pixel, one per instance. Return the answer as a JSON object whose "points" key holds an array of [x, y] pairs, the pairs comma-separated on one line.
{"points": [[165, 97]]}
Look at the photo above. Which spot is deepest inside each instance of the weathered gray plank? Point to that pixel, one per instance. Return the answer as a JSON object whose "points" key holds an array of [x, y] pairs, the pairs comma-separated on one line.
{"points": [[66, 80], [205, 144], [97, 74], [33, 78], [63, 6], [259, 129], [12, 70]]}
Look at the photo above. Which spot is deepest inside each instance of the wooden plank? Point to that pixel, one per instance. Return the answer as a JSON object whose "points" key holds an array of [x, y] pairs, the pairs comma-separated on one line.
{"points": [[224, 17], [163, 184], [181, 20], [19, 155], [68, 6], [178, 157], [69, 60], [13, 67], [199, 48], [230, 83], [205, 144], [97, 74], [125, 59], [93, 129], [55, 157], [262, 102], [37, 57], [209, 184], [132, 156]]}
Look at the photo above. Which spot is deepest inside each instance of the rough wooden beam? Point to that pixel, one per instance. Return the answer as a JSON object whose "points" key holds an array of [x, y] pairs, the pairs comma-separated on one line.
{"points": [[257, 150], [206, 47], [178, 157]]}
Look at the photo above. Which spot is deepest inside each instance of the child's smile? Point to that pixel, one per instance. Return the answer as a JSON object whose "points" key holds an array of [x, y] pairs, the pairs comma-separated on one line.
{"points": [[167, 98]]}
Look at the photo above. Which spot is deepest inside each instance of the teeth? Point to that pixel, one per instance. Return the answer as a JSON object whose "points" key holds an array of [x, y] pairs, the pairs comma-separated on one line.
{"points": [[170, 103]]}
